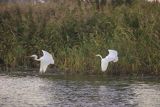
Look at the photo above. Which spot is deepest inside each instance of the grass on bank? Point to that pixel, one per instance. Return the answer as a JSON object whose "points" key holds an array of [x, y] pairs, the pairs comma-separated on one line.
{"points": [[75, 34]]}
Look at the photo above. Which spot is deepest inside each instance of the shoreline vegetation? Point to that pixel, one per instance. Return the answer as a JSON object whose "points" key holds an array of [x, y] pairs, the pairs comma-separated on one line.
{"points": [[75, 33]]}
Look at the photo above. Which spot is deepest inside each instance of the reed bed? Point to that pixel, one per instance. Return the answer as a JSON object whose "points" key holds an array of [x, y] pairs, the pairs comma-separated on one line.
{"points": [[75, 33]]}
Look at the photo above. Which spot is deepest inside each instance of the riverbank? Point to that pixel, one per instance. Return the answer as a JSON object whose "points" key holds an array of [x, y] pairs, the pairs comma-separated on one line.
{"points": [[69, 75], [94, 78], [75, 34]]}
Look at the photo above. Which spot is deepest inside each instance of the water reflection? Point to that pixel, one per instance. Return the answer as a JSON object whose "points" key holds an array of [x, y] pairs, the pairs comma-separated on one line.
{"points": [[147, 95], [42, 92]]}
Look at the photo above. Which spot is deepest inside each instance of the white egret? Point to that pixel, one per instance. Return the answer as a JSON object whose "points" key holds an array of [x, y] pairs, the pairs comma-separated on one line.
{"points": [[45, 60], [112, 56], [41, 1]]}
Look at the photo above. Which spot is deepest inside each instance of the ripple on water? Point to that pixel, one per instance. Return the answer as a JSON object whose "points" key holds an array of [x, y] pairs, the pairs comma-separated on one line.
{"points": [[33, 91]]}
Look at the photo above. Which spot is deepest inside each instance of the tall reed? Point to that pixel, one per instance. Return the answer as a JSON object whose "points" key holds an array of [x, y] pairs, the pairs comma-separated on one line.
{"points": [[76, 34]]}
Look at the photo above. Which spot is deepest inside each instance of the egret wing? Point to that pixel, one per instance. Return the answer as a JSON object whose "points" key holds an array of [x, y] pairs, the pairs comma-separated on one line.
{"points": [[48, 57], [43, 66], [112, 56], [113, 52]]}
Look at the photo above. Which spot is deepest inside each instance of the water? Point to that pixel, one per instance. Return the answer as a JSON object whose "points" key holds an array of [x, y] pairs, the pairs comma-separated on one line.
{"points": [[61, 91]]}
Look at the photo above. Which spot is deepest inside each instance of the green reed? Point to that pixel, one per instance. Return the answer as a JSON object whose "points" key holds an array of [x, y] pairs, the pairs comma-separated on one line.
{"points": [[75, 34]]}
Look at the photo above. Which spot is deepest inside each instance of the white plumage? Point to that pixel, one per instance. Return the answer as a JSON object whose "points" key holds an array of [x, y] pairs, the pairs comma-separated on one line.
{"points": [[111, 57], [45, 60], [48, 57]]}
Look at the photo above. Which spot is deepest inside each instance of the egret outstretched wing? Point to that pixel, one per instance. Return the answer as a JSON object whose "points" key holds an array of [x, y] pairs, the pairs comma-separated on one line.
{"points": [[112, 56], [112, 52], [47, 57]]}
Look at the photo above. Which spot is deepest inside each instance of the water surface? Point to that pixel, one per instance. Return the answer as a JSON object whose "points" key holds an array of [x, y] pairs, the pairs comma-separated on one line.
{"points": [[64, 91]]}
